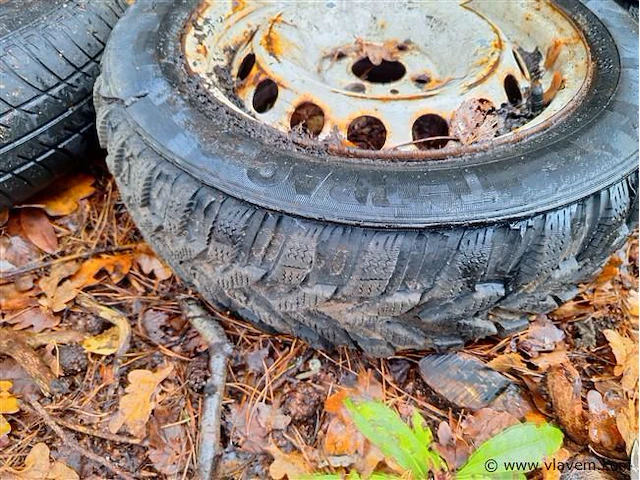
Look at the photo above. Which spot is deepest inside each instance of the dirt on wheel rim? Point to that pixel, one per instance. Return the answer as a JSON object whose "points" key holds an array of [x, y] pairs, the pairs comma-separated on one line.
{"points": [[410, 80]]}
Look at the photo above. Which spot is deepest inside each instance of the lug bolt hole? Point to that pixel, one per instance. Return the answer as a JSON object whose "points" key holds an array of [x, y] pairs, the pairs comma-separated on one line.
{"points": [[367, 132], [246, 66], [429, 126], [265, 96], [308, 117]]}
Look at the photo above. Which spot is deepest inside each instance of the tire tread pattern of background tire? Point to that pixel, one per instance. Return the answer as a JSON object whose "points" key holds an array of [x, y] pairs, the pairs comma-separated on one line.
{"points": [[382, 290], [46, 113]]}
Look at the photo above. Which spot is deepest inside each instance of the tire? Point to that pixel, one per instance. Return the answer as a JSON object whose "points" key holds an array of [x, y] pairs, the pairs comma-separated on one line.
{"points": [[49, 60], [298, 242]]}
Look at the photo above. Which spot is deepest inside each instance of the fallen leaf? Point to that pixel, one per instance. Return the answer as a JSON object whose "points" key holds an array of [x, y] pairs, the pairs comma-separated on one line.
{"points": [[105, 343], [251, 425], [116, 339], [485, 423], [11, 298], [626, 352], [630, 305], [8, 404], [38, 229], [37, 466], [542, 336], [546, 360], [151, 264], [289, 465], [506, 362], [49, 283], [34, 319], [62, 197], [609, 271], [168, 449], [57, 298], [565, 389], [17, 251], [136, 406], [627, 423]]}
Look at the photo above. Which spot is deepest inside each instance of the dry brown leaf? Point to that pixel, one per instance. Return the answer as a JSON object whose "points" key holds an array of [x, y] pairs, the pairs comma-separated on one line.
{"points": [[565, 389], [545, 360], [151, 264], [49, 283], [610, 270], [16, 251], [62, 197], [630, 304], [168, 447], [542, 336], [12, 298], [38, 229], [37, 466], [116, 265], [289, 465], [626, 352], [485, 423], [506, 362], [136, 406], [34, 319], [627, 423], [251, 425]]}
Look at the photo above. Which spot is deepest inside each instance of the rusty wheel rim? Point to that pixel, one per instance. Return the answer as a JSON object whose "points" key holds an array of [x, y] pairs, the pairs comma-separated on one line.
{"points": [[405, 80]]}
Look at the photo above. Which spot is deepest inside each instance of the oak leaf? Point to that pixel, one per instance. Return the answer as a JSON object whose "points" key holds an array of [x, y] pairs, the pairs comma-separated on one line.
{"points": [[35, 319], [626, 352], [136, 406], [37, 466]]}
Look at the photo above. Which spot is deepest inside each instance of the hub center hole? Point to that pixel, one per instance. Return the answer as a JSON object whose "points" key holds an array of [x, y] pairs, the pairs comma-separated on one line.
{"points": [[386, 72]]}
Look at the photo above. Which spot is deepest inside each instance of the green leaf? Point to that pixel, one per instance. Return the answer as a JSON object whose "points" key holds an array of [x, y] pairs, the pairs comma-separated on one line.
{"points": [[383, 427], [513, 452]]}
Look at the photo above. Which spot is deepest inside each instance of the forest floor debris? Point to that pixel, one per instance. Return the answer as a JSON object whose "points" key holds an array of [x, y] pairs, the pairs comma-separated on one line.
{"points": [[105, 376]]}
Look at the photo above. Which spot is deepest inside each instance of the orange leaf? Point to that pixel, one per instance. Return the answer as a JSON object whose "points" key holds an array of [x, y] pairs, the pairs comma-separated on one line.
{"points": [[62, 198], [38, 229]]}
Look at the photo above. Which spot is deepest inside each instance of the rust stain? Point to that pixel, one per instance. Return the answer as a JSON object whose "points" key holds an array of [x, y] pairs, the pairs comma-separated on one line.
{"points": [[272, 41], [237, 5], [201, 49], [552, 91]]}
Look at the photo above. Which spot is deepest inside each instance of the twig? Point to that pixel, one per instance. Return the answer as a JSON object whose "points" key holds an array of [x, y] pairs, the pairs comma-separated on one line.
{"points": [[71, 442], [104, 435], [15, 345], [219, 351], [33, 266]]}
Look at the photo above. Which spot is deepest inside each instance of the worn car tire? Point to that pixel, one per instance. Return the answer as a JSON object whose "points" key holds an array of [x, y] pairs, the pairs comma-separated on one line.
{"points": [[381, 255], [49, 60]]}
